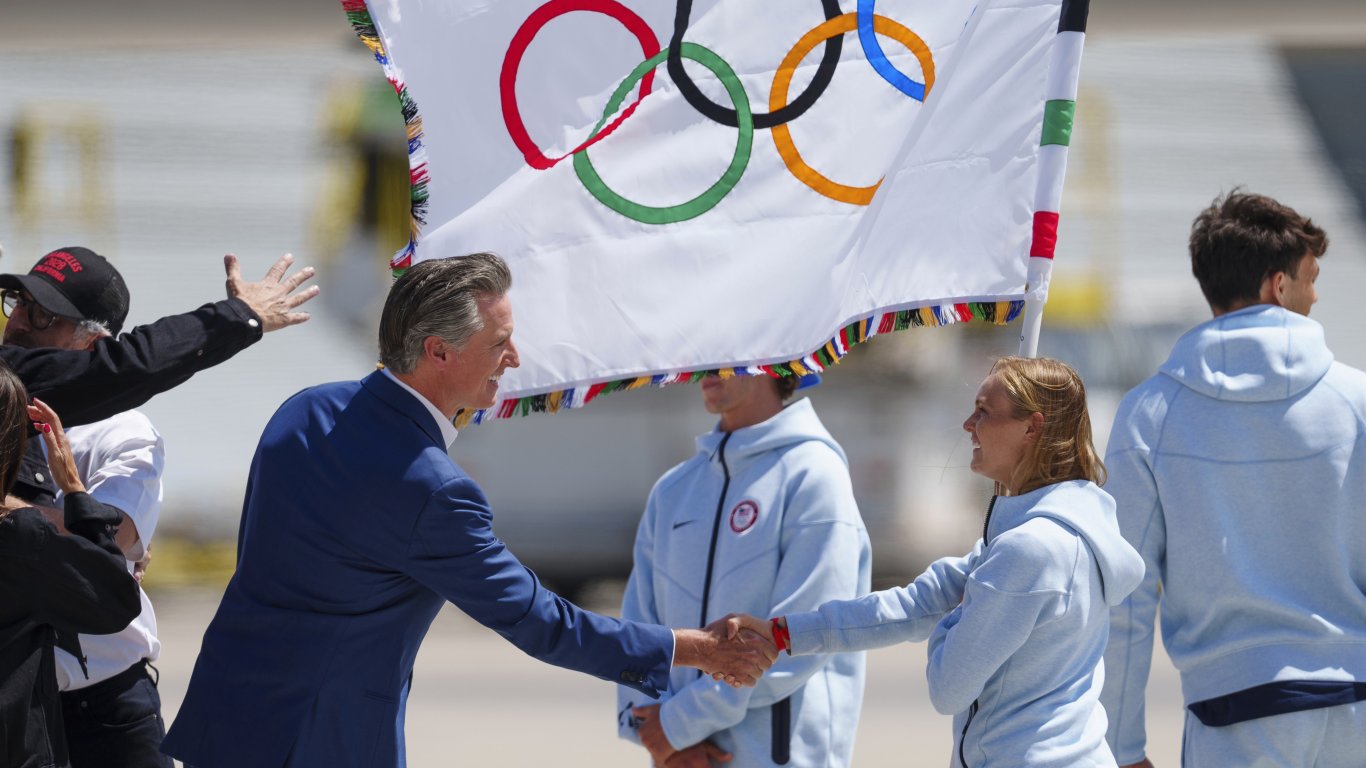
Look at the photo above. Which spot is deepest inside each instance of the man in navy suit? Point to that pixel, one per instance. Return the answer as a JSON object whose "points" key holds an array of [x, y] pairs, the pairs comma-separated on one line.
{"points": [[357, 526]]}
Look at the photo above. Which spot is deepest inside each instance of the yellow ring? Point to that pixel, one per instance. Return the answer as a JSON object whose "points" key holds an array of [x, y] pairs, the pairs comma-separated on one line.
{"points": [[782, 80]]}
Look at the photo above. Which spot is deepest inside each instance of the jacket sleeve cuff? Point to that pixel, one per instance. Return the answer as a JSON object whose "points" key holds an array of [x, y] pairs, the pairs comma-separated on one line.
{"points": [[804, 633], [239, 309], [677, 725], [658, 678], [89, 519]]}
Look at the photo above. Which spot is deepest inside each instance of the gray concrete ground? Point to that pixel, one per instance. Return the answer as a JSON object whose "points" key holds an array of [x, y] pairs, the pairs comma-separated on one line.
{"points": [[477, 701]]}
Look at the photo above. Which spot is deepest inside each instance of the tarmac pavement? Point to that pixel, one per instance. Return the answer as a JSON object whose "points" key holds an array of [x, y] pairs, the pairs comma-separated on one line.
{"points": [[478, 701]]}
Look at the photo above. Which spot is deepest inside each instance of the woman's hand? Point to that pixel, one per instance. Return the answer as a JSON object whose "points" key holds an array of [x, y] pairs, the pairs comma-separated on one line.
{"points": [[59, 458]]}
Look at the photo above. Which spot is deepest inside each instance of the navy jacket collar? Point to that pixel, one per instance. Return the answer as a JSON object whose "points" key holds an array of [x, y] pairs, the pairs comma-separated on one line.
{"points": [[385, 389]]}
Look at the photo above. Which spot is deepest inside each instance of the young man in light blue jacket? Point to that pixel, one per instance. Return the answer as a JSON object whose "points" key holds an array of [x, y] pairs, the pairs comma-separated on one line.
{"points": [[1240, 475], [761, 520]]}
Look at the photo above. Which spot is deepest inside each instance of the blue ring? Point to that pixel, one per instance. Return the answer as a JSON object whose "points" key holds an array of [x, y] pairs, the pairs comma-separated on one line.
{"points": [[873, 50]]}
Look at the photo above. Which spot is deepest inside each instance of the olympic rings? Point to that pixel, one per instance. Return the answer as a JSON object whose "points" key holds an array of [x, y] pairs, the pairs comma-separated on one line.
{"points": [[507, 80], [782, 80], [825, 72], [713, 195], [873, 50], [740, 115]]}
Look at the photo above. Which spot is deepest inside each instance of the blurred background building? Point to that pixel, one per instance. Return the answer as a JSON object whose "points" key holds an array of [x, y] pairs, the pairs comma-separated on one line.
{"points": [[164, 135]]}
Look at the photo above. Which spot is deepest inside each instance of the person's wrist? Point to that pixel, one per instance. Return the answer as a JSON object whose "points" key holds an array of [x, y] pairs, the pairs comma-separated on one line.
{"points": [[781, 638], [686, 650]]}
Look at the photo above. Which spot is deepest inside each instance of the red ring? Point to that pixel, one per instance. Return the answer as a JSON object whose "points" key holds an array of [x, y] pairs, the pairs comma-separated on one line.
{"points": [[507, 80]]}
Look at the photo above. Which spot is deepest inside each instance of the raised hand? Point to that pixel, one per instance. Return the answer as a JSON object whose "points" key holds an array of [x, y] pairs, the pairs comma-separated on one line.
{"points": [[59, 457], [272, 297], [724, 649]]}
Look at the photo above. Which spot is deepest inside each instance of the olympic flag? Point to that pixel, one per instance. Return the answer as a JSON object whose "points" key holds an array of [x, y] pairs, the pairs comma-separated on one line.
{"points": [[742, 187]]}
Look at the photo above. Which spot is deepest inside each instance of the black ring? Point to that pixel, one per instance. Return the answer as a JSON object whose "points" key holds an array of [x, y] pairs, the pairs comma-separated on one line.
{"points": [[726, 115]]}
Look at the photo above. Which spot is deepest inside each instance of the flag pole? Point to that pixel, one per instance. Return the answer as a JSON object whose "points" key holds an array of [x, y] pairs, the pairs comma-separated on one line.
{"points": [[1036, 296], [1059, 109]]}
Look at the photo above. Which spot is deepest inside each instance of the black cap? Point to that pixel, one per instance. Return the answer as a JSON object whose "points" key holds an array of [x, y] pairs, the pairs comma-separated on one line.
{"points": [[76, 283]]}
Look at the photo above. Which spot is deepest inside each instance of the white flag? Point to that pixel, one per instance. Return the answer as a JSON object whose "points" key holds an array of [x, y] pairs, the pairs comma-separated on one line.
{"points": [[734, 186]]}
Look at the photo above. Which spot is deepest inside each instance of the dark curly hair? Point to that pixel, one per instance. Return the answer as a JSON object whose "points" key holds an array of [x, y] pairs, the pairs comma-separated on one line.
{"points": [[1241, 240]]}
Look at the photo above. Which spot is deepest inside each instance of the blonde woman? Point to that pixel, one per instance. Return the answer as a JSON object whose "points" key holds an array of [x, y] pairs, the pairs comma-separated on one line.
{"points": [[1018, 626], [53, 583]]}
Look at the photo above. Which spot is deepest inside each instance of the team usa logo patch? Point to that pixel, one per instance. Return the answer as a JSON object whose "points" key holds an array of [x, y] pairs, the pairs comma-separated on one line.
{"points": [[744, 516]]}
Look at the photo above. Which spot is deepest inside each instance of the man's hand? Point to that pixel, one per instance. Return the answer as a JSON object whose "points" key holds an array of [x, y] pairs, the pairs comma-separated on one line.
{"points": [[724, 649], [651, 734], [1144, 763], [272, 297], [760, 627], [140, 567], [703, 755]]}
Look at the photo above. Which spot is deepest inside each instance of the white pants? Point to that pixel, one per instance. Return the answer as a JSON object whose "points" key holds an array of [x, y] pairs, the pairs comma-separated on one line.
{"points": [[1333, 737]]}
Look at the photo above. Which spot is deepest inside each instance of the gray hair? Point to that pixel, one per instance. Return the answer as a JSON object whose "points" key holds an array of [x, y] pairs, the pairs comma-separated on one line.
{"points": [[437, 297], [90, 330]]}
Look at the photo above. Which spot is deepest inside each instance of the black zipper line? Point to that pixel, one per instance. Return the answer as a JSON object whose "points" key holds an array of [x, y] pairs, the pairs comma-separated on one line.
{"points": [[963, 738], [972, 711], [715, 529]]}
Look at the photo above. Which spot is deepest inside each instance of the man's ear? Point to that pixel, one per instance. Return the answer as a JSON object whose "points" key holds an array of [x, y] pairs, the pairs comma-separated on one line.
{"points": [[436, 350], [1035, 428], [1273, 289]]}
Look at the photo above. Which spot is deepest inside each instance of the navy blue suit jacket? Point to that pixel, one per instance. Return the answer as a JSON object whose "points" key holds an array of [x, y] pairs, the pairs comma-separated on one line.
{"points": [[357, 526]]}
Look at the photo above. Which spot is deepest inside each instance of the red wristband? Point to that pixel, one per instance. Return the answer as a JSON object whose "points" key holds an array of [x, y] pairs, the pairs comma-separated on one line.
{"points": [[781, 638]]}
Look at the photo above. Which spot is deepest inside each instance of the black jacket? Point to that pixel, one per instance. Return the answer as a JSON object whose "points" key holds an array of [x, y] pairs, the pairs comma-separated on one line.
{"points": [[52, 582], [124, 373]]}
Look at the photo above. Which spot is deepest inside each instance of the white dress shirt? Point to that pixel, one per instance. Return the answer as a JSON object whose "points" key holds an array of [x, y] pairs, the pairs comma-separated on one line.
{"points": [[448, 430], [120, 461]]}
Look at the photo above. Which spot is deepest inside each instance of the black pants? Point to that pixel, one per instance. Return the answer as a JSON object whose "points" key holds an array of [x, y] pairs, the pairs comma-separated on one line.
{"points": [[116, 723]]}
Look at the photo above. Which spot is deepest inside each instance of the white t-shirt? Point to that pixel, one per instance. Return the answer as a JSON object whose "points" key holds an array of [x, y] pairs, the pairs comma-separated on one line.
{"points": [[120, 460]]}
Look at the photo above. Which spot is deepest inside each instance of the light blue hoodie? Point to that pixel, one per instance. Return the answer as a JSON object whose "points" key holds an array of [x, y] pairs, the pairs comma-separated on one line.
{"points": [[1240, 474], [1018, 661], [788, 538]]}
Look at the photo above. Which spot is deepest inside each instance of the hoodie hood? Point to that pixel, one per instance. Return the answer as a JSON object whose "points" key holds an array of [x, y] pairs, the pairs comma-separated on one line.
{"points": [[1258, 354], [1086, 509], [796, 423]]}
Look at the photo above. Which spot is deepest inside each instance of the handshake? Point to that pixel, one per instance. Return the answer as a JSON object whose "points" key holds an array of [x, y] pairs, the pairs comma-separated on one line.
{"points": [[737, 648]]}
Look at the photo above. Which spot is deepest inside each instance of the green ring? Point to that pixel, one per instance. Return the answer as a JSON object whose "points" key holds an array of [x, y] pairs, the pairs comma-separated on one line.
{"points": [[708, 199]]}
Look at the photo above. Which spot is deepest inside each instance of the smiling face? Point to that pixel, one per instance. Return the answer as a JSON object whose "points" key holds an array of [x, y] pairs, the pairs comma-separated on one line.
{"points": [[471, 380], [999, 439]]}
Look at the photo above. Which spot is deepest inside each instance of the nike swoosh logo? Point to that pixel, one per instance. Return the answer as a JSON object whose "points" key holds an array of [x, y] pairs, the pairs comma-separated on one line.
{"points": [[680, 525]]}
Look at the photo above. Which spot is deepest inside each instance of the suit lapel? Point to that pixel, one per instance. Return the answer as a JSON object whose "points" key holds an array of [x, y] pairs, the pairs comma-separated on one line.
{"points": [[396, 397]]}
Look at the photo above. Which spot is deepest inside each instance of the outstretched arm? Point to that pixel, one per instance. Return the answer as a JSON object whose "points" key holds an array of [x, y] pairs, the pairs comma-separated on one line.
{"points": [[454, 551], [887, 617], [123, 373]]}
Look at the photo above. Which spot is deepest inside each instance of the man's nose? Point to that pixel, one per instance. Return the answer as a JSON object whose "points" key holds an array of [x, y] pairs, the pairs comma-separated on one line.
{"points": [[513, 360]]}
